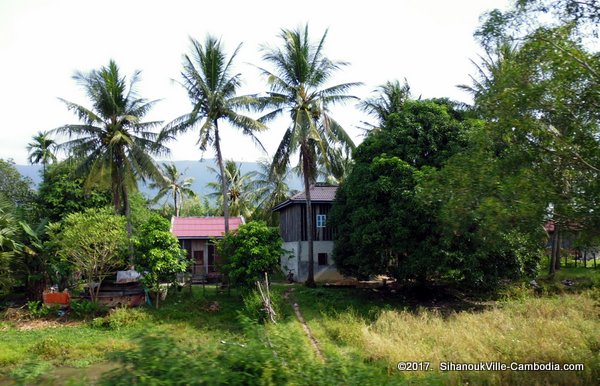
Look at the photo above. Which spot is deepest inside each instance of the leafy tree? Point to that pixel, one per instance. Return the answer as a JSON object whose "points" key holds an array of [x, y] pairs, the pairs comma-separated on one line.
{"points": [[159, 256], [241, 192], [94, 242], [540, 96], [526, 16], [114, 144], [41, 150], [207, 77], [489, 212], [298, 88], [13, 186], [384, 225], [63, 192], [196, 207], [174, 184], [249, 252]]}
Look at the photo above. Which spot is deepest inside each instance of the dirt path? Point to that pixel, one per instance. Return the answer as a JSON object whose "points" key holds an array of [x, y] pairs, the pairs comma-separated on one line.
{"points": [[314, 342]]}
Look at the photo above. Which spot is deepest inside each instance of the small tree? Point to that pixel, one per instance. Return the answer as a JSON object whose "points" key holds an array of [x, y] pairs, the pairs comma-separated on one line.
{"points": [[159, 255], [249, 252], [94, 242]]}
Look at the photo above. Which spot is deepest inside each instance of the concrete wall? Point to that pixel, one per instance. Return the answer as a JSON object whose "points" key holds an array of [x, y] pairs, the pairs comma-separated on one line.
{"points": [[296, 260]]}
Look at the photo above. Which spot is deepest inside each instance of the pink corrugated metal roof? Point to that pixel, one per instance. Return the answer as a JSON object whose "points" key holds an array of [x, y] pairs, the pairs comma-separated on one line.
{"points": [[202, 227]]}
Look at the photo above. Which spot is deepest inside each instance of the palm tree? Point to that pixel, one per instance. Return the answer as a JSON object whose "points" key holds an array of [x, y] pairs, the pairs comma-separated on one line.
{"points": [[207, 77], [174, 183], [389, 99], [296, 88], [115, 146], [241, 193], [41, 149], [271, 189]]}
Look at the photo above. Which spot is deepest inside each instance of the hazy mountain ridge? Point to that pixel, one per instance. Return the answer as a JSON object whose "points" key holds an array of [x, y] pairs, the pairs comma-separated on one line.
{"points": [[196, 169]]}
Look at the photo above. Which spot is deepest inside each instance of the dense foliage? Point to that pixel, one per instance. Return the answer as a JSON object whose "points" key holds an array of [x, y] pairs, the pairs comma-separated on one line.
{"points": [[94, 242], [159, 256], [248, 253], [13, 186], [62, 192], [397, 215]]}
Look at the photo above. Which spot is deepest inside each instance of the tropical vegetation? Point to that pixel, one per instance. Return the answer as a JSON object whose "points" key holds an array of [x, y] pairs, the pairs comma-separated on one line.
{"points": [[470, 231], [298, 89]]}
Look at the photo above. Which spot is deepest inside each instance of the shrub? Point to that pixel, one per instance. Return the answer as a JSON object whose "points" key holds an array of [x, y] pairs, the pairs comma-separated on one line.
{"points": [[85, 309], [39, 310], [124, 317], [49, 348], [249, 252]]}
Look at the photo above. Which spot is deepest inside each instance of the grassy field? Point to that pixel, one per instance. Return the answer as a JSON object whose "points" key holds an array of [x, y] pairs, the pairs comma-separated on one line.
{"points": [[362, 334]]}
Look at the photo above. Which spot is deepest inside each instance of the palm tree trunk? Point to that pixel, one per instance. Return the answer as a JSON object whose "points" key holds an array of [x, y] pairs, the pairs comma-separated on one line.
{"points": [[310, 280], [116, 184], [175, 202], [127, 210], [223, 178]]}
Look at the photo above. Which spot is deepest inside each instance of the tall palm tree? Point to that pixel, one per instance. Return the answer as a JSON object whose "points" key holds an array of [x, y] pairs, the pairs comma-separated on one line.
{"points": [[115, 146], [207, 77], [297, 88], [241, 192], [41, 150], [174, 183]]}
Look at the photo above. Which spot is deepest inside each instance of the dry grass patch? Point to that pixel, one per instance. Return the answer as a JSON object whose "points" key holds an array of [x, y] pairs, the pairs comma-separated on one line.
{"points": [[563, 329]]}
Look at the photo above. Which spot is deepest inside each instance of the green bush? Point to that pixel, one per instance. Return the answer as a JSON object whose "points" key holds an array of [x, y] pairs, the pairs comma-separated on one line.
{"points": [[38, 310], [120, 318], [86, 310], [123, 317], [249, 252], [49, 348]]}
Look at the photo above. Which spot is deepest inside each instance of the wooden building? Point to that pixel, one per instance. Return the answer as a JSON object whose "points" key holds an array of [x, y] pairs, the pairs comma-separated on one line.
{"points": [[293, 229]]}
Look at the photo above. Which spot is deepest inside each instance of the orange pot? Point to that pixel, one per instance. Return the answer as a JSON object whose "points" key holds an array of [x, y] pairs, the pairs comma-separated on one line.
{"points": [[56, 298]]}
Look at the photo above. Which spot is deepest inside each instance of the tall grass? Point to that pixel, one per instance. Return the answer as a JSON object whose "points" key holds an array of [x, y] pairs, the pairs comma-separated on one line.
{"points": [[560, 329]]}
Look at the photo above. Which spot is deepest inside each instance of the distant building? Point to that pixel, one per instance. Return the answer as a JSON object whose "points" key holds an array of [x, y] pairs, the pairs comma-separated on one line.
{"points": [[195, 235], [293, 229]]}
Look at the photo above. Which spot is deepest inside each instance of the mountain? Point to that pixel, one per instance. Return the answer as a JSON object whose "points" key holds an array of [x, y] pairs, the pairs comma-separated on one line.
{"points": [[196, 169]]}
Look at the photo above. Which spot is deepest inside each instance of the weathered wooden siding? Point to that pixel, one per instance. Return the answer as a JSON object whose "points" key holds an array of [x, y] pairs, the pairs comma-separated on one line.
{"points": [[289, 226], [292, 223]]}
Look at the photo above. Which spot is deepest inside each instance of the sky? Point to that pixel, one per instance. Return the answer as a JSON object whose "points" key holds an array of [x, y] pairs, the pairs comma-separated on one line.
{"points": [[42, 43]]}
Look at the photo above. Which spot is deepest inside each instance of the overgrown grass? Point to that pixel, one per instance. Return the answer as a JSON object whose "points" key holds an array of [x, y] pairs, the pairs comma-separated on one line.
{"points": [[207, 338]]}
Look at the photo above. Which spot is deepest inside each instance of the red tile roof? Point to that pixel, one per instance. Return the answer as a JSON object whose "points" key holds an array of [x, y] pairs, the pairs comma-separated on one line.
{"points": [[202, 227], [319, 193]]}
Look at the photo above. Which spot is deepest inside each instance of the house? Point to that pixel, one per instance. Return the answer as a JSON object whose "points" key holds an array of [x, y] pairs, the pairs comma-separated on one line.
{"points": [[196, 235], [292, 226]]}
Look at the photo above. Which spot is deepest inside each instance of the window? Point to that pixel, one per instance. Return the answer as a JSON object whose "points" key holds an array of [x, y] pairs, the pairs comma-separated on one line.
{"points": [[322, 258], [321, 220]]}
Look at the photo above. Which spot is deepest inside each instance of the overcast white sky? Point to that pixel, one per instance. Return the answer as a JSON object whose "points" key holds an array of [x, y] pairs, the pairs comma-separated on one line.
{"points": [[43, 42]]}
